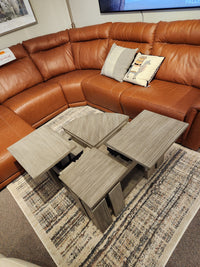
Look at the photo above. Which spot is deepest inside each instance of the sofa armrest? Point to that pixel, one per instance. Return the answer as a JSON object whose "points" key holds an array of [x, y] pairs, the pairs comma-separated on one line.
{"points": [[196, 104], [191, 137]]}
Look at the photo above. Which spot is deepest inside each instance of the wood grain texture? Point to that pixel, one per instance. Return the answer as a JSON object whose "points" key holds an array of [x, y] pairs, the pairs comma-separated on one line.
{"points": [[95, 128], [78, 201], [117, 199], [40, 150], [100, 215], [92, 176], [147, 137]]}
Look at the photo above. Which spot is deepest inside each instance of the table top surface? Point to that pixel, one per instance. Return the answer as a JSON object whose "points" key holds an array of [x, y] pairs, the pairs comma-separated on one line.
{"points": [[94, 129], [147, 137], [40, 150], [92, 176]]}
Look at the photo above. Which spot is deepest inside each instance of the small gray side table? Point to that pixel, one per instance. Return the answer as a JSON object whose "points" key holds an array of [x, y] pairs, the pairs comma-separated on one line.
{"points": [[39, 151], [90, 179], [94, 129], [146, 138]]}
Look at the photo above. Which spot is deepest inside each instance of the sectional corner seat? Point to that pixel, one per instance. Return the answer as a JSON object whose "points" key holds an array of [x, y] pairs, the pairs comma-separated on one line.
{"points": [[61, 70]]}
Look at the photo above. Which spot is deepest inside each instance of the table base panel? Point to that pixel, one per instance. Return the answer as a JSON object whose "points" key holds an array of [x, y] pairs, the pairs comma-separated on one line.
{"points": [[100, 215], [117, 199]]}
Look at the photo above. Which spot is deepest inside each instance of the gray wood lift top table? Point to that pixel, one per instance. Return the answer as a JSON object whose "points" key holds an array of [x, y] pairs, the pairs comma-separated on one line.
{"points": [[146, 138], [96, 176], [90, 179], [94, 129], [40, 150]]}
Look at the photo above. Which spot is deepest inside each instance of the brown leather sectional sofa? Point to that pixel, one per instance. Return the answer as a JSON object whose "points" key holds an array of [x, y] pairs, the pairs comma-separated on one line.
{"points": [[61, 70]]}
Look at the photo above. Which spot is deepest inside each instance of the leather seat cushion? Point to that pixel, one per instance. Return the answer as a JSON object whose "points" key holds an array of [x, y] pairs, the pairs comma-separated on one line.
{"points": [[39, 103], [105, 92], [71, 85], [170, 99]]}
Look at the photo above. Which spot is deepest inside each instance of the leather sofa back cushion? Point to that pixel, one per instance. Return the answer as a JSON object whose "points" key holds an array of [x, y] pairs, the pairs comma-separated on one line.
{"points": [[54, 61], [181, 64], [178, 42], [46, 42], [144, 48], [88, 33], [17, 76], [91, 54], [178, 32], [90, 45], [133, 35], [18, 51]]}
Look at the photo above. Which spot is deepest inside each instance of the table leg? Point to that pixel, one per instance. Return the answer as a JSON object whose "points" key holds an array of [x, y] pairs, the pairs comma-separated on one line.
{"points": [[149, 172], [100, 215], [117, 199], [160, 161], [77, 200]]}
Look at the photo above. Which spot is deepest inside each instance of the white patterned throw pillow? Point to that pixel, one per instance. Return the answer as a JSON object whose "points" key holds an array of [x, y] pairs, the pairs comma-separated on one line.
{"points": [[118, 61], [143, 69]]}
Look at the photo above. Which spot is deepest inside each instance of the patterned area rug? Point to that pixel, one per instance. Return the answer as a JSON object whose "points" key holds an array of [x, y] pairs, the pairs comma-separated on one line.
{"points": [[156, 214]]}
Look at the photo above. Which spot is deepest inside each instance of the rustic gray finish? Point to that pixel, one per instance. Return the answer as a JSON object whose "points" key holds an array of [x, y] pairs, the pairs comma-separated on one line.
{"points": [[117, 199], [149, 171], [92, 176], [78, 201], [40, 150], [97, 174], [147, 137], [94, 129], [100, 215], [90, 179]]}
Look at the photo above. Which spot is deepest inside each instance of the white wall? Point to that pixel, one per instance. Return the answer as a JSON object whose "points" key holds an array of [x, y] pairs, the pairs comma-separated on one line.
{"points": [[52, 16], [86, 12]]}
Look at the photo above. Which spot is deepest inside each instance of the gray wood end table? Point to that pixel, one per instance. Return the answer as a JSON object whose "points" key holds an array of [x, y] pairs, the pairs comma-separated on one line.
{"points": [[146, 138], [94, 129], [40, 150], [90, 179]]}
